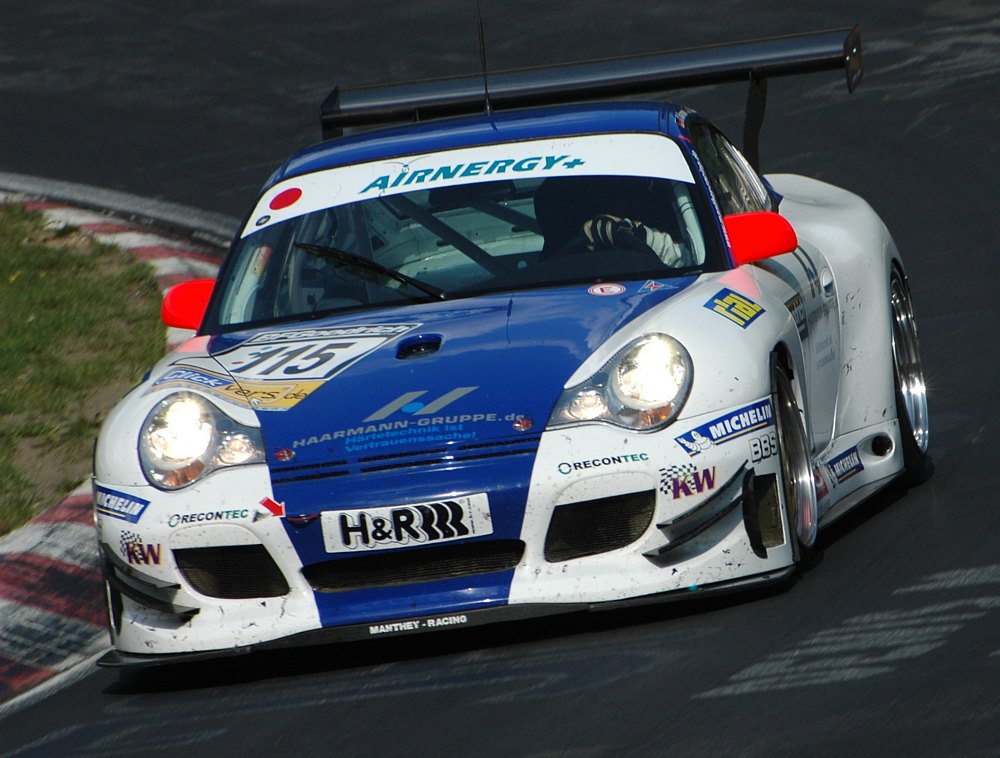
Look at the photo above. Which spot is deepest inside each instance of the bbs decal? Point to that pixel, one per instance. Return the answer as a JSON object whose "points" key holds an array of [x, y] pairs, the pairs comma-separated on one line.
{"points": [[763, 447]]}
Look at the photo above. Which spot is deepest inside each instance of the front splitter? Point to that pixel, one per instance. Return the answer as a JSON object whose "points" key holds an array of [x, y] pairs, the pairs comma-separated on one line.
{"points": [[439, 622]]}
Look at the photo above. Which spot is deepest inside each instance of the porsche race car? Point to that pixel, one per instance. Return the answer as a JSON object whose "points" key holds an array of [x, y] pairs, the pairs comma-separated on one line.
{"points": [[490, 352]]}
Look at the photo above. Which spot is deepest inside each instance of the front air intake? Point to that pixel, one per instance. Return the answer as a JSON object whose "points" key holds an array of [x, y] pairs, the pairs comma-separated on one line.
{"points": [[234, 572], [422, 564], [598, 526]]}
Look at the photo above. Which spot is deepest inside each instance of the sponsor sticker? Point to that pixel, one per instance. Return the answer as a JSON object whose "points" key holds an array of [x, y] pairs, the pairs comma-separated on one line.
{"points": [[824, 352], [407, 525], [606, 290], [118, 504], [686, 480], [763, 447], [596, 155], [407, 175], [846, 465], [413, 419], [738, 308], [414, 625], [568, 467], [821, 489], [796, 306], [736, 423], [137, 552], [183, 519], [267, 396]]}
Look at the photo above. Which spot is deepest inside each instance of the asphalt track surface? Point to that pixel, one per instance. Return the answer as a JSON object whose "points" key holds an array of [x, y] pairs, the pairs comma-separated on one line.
{"points": [[888, 645]]}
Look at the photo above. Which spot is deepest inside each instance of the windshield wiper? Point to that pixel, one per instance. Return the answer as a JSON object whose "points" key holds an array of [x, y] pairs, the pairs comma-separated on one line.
{"points": [[357, 262]]}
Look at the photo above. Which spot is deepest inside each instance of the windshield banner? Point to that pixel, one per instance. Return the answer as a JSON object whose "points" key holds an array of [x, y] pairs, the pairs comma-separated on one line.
{"points": [[596, 155]]}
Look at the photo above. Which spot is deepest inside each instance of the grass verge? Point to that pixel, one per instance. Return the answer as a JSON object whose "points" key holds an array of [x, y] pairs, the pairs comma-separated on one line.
{"points": [[79, 325]]}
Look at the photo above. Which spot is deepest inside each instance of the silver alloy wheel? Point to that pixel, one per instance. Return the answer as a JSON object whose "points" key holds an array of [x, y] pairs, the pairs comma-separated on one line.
{"points": [[906, 359], [798, 484]]}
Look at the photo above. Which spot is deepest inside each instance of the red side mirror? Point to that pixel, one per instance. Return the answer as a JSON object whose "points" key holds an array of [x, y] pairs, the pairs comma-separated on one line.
{"points": [[756, 236], [184, 304]]}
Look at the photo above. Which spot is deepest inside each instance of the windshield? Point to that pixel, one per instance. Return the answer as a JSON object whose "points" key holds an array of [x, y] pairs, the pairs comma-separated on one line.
{"points": [[414, 234]]}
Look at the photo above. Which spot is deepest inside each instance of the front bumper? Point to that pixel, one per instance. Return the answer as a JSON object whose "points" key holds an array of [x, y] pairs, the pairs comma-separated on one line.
{"points": [[610, 517]]}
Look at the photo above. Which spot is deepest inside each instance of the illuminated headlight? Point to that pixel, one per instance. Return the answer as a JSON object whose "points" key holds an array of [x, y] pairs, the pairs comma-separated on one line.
{"points": [[185, 437], [642, 387]]}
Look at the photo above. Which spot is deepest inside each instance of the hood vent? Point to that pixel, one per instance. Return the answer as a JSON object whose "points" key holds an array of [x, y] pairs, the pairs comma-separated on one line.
{"points": [[418, 346]]}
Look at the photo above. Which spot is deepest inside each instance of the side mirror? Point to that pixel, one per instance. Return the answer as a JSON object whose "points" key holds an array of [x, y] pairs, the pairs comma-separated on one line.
{"points": [[185, 304], [756, 236]]}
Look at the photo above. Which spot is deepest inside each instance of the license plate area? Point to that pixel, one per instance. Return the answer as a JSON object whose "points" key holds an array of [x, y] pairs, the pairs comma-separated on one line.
{"points": [[434, 522]]}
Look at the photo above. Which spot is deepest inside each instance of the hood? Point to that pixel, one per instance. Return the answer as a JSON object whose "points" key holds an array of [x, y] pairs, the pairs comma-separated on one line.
{"points": [[476, 370], [409, 408]]}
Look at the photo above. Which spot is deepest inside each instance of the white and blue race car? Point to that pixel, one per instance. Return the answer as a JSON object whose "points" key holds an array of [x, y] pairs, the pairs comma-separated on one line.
{"points": [[511, 360]]}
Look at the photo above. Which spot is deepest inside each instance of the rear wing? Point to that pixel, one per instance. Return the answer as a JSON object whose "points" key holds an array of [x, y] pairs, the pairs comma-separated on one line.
{"points": [[753, 61]]}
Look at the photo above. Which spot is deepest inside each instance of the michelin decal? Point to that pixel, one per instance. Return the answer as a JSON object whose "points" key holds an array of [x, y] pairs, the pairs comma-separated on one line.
{"points": [[737, 423]]}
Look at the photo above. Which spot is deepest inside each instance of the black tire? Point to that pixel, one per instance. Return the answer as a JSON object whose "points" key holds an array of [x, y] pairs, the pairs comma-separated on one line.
{"points": [[798, 486], [908, 379]]}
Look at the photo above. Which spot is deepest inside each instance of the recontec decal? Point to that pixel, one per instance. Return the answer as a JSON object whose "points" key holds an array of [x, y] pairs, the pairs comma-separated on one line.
{"points": [[568, 467], [602, 155]]}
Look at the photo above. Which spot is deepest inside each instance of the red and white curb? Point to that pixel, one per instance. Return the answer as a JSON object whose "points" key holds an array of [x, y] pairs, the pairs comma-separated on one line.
{"points": [[52, 616]]}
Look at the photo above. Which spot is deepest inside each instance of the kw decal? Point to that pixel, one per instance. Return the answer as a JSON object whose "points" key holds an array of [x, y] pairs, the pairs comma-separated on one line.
{"points": [[137, 552], [686, 480]]}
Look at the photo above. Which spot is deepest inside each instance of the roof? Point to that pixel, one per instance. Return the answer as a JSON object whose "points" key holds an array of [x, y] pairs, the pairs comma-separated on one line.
{"points": [[467, 131]]}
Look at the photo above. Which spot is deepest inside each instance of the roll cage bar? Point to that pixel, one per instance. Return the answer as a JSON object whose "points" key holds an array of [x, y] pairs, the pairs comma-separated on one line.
{"points": [[753, 61]]}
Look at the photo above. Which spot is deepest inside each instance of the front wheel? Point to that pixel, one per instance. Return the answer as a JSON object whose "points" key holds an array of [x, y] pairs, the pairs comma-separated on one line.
{"points": [[797, 482], [908, 376]]}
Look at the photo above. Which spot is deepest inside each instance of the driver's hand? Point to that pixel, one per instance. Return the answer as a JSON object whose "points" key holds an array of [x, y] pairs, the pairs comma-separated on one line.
{"points": [[605, 231]]}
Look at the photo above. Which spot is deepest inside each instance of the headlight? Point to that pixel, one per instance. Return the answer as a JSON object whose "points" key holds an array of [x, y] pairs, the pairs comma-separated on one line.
{"points": [[185, 437], [642, 387]]}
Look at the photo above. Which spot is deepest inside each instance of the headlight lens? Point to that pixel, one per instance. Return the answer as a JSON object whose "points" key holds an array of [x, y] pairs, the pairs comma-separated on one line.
{"points": [[185, 437], [642, 387]]}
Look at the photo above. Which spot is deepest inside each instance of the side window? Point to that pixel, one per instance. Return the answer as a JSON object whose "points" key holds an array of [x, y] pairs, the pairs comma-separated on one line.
{"points": [[736, 186]]}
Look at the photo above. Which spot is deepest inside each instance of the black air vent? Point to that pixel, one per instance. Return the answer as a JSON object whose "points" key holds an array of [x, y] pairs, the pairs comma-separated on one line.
{"points": [[598, 526], [410, 566], [418, 346], [233, 572]]}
